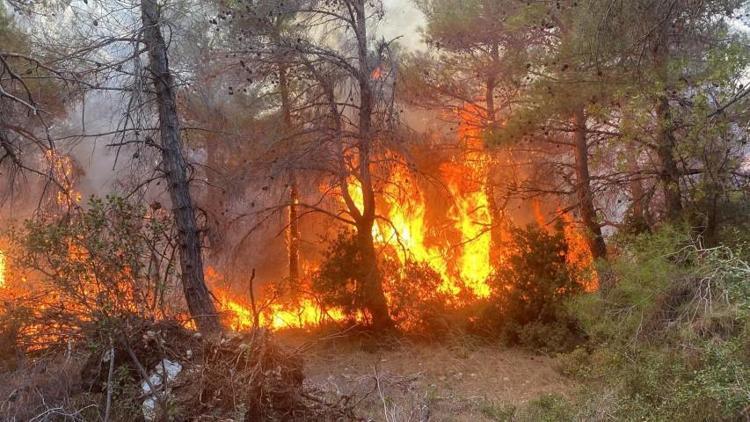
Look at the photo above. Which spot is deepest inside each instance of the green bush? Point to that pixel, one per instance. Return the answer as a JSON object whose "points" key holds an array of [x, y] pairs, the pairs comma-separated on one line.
{"points": [[415, 301], [412, 288], [529, 292], [668, 337], [336, 281], [91, 268]]}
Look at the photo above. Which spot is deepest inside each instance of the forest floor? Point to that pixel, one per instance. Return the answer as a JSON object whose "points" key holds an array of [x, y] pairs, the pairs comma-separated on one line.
{"points": [[445, 382]]}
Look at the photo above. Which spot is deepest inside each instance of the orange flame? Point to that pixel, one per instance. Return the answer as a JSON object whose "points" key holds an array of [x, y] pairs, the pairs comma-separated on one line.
{"points": [[377, 74], [62, 173], [238, 313], [579, 255], [461, 254], [2, 269]]}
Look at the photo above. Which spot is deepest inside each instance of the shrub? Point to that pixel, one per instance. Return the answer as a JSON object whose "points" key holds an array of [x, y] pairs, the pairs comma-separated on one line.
{"points": [[337, 279], [91, 268], [668, 337], [412, 288], [414, 298], [528, 292]]}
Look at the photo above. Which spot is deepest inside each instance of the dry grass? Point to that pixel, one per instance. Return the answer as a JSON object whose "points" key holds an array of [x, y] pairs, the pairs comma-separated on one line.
{"points": [[48, 389], [417, 382], [249, 377]]}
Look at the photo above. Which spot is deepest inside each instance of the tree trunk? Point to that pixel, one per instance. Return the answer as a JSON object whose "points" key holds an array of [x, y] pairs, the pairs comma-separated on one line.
{"points": [[489, 187], [372, 284], [669, 174], [638, 211], [293, 235], [491, 84], [198, 299], [583, 188]]}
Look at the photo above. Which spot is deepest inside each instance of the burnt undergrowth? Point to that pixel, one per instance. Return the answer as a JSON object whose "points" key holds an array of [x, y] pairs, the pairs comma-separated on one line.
{"points": [[163, 371]]}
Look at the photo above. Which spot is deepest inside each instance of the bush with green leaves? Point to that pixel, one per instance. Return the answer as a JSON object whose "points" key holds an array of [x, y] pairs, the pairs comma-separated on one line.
{"points": [[528, 292], [412, 289], [94, 267], [336, 282], [669, 333], [415, 300]]}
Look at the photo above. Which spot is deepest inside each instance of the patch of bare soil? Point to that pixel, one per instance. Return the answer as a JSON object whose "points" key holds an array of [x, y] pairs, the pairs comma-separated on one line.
{"points": [[416, 382]]}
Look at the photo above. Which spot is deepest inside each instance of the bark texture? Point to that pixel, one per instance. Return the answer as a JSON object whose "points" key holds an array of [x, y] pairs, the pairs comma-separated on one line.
{"points": [[173, 164], [669, 175], [293, 236], [583, 188], [372, 286]]}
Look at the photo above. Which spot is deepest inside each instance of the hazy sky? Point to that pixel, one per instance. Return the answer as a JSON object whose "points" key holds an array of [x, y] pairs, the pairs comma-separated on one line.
{"points": [[403, 19]]}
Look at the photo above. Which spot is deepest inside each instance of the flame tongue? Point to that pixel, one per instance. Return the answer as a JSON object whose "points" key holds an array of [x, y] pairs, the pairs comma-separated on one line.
{"points": [[2, 269]]}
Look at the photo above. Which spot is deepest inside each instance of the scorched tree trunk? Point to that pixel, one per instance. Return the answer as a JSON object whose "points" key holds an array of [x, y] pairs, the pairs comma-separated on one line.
{"points": [[173, 164], [583, 188]]}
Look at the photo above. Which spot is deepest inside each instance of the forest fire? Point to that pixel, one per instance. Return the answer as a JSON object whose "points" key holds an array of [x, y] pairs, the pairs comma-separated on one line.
{"points": [[463, 261], [2, 269], [458, 247], [304, 314], [374, 210], [454, 241]]}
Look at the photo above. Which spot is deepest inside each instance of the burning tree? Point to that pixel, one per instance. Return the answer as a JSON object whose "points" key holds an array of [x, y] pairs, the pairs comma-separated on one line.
{"points": [[175, 170], [394, 204], [356, 138], [344, 106], [99, 56]]}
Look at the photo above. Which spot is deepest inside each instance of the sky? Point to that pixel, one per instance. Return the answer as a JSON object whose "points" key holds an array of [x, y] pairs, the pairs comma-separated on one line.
{"points": [[402, 19]]}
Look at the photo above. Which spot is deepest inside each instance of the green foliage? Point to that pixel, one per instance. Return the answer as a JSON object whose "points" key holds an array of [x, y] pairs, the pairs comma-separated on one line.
{"points": [[529, 291], [95, 266], [546, 408], [536, 277], [498, 411], [414, 300], [668, 333], [337, 279]]}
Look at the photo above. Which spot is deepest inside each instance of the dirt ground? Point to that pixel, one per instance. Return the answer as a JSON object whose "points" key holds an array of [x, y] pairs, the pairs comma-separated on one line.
{"points": [[415, 382]]}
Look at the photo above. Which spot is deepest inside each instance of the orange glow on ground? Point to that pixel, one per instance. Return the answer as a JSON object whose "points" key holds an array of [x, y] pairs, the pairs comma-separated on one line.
{"points": [[2, 269]]}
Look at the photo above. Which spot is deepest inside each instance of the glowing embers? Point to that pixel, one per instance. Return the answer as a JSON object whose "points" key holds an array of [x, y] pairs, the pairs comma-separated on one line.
{"points": [[2, 269], [63, 174], [238, 314]]}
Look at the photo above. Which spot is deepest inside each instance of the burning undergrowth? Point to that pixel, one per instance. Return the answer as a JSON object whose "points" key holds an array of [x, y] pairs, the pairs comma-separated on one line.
{"points": [[113, 259], [166, 372], [439, 242], [101, 282], [92, 296]]}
